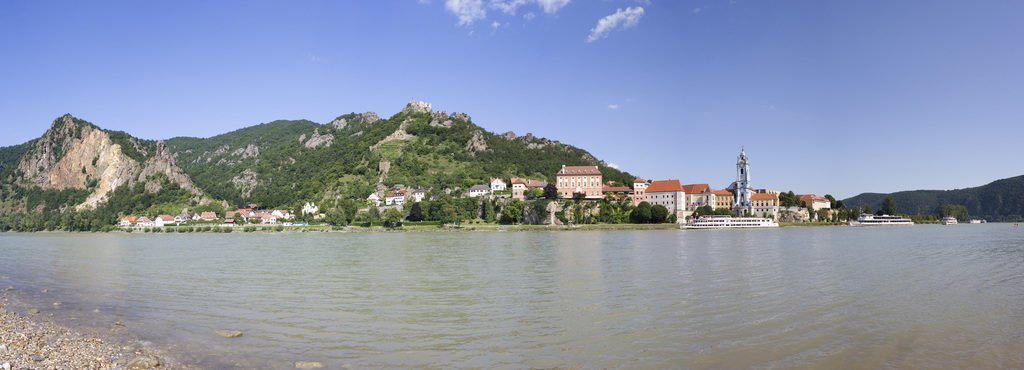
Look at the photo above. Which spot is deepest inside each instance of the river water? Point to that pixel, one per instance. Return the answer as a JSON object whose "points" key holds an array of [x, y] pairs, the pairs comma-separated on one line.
{"points": [[834, 297]]}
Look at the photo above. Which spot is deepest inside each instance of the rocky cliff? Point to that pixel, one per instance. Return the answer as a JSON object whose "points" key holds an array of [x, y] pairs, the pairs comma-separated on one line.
{"points": [[74, 154]]}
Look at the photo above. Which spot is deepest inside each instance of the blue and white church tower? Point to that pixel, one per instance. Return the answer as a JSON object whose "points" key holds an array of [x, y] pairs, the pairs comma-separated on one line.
{"points": [[742, 184]]}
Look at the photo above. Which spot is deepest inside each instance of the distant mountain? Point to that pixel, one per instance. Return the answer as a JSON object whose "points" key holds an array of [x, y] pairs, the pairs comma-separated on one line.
{"points": [[76, 165], [1000, 200]]}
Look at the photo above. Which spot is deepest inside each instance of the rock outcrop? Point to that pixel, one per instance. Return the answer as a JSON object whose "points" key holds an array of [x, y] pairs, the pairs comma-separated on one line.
{"points": [[319, 140], [417, 107], [368, 117], [476, 144], [246, 181], [74, 154]]}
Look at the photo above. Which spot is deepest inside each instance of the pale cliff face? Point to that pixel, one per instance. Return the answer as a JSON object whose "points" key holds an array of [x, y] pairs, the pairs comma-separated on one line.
{"points": [[71, 156]]}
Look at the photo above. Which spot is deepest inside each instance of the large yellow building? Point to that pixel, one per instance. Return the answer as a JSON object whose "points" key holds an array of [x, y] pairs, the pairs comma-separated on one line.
{"points": [[724, 199]]}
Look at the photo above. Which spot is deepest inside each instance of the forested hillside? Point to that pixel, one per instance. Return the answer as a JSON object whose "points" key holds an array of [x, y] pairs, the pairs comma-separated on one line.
{"points": [[1000, 200], [288, 163], [78, 176]]}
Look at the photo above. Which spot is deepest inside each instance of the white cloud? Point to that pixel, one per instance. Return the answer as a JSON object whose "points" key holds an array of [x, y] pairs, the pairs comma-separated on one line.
{"points": [[696, 10], [529, 16], [510, 6], [467, 11], [613, 106], [552, 6], [621, 19], [613, 165], [507, 6], [495, 24]]}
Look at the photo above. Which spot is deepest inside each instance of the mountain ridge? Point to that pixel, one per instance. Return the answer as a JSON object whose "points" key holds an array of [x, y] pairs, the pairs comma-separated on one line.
{"points": [[282, 163], [999, 200]]}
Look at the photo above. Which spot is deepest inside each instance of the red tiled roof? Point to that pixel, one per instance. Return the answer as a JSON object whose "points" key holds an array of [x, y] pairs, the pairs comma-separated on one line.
{"points": [[616, 189], [516, 180], [639, 180], [144, 219], [813, 197], [495, 179], [723, 192], [664, 185], [696, 188], [764, 196], [579, 170], [131, 219], [208, 215], [535, 184], [165, 217], [397, 193]]}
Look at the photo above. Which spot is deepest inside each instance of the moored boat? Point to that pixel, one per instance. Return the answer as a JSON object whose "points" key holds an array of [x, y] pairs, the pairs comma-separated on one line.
{"points": [[883, 220], [729, 222], [949, 220]]}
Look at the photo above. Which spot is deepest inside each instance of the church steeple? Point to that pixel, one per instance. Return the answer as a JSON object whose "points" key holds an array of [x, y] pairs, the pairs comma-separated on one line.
{"points": [[742, 180]]}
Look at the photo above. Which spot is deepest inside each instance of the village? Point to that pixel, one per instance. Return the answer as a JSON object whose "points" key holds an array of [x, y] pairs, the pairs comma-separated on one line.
{"points": [[579, 184]]}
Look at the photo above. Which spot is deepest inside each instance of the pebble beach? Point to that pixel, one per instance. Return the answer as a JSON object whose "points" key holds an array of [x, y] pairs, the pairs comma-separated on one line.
{"points": [[31, 340]]}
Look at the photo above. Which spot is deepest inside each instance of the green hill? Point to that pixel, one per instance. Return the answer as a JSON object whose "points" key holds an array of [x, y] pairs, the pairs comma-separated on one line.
{"points": [[288, 163], [1000, 200], [78, 176]]}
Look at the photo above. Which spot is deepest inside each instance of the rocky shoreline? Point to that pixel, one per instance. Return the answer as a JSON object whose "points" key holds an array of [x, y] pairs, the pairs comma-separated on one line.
{"points": [[32, 341]]}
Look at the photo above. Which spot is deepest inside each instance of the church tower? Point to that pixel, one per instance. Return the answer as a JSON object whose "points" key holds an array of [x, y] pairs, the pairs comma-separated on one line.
{"points": [[742, 198]]}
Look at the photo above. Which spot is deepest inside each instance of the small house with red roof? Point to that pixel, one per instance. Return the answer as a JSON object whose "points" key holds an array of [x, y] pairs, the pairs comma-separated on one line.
{"points": [[144, 222], [208, 216], [518, 188], [396, 198], [128, 221], [162, 220], [814, 202]]}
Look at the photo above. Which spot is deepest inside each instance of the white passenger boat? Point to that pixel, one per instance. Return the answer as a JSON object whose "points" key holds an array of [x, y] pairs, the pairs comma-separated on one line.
{"points": [[883, 220], [977, 221], [729, 222], [949, 220]]}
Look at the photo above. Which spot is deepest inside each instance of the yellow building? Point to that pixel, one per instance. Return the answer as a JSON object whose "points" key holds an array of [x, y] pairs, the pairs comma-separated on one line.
{"points": [[724, 199]]}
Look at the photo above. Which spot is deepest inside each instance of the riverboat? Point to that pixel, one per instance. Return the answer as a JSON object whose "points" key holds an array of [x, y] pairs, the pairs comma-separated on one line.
{"points": [[949, 220], [729, 222], [977, 221], [883, 220]]}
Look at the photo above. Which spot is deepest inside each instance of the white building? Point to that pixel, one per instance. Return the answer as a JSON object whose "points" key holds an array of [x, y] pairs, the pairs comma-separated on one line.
{"points": [[497, 184], [479, 190], [396, 197], [419, 194], [670, 194], [162, 220], [373, 199]]}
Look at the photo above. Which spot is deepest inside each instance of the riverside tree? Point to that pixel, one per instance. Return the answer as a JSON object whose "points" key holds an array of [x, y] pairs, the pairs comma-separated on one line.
{"points": [[415, 213], [659, 214], [513, 212], [642, 213], [889, 205], [550, 191], [393, 217]]}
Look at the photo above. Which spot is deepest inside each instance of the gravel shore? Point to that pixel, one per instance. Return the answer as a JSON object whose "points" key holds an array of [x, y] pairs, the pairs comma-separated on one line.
{"points": [[31, 341]]}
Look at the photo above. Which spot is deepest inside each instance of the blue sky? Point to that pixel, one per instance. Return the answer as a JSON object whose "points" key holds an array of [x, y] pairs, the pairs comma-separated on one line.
{"points": [[827, 97]]}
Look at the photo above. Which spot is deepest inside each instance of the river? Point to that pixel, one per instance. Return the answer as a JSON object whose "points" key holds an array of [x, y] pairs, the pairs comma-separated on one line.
{"points": [[833, 297]]}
